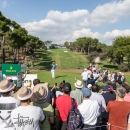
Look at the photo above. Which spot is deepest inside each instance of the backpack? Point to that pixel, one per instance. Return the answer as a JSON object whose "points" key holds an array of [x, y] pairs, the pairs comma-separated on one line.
{"points": [[74, 120]]}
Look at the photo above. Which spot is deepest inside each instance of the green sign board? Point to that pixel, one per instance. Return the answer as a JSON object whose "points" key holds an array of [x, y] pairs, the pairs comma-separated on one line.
{"points": [[11, 69]]}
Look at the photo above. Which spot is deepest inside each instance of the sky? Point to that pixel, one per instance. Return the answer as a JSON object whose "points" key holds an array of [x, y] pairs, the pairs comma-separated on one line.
{"points": [[67, 20]]}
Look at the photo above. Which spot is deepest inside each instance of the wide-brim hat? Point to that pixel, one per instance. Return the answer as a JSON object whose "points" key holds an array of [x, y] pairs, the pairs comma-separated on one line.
{"points": [[78, 84], [23, 93], [40, 92], [6, 86]]}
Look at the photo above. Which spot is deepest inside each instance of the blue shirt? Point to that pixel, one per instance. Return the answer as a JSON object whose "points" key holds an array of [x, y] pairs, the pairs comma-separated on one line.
{"points": [[53, 67]]}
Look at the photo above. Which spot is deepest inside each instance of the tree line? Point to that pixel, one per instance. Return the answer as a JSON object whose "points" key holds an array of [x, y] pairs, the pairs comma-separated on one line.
{"points": [[117, 53], [16, 40]]}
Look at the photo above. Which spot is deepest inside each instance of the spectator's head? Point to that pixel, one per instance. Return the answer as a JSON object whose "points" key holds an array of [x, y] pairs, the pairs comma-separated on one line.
{"points": [[94, 71], [120, 93], [67, 88], [36, 81], [85, 69], [109, 82], [64, 81], [40, 92], [24, 94], [89, 86], [61, 86], [95, 88], [86, 92], [78, 84], [6, 87], [91, 76], [126, 86], [119, 82]]}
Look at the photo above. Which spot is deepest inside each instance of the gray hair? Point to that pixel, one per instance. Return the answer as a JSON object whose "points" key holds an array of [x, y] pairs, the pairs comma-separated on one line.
{"points": [[121, 92]]}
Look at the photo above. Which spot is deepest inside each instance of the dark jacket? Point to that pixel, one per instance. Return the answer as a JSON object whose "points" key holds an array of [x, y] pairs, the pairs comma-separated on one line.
{"points": [[92, 81]]}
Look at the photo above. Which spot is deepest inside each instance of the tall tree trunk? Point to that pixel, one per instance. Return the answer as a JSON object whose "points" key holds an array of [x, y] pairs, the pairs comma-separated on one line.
{"points": [[88, 49], [2, 49]]}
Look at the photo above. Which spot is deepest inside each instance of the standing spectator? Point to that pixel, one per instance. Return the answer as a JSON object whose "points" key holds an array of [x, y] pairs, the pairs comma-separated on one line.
{"points": [[127, 96], [77, 94], [95, 75], [112, 77], [123, 79], [115, 77], [119, 110], [50, 97], [63, 104], [92, 80], [108, 95], [89, 71], [7, 104], [101, 101], [89, 110], [54, 65], [40, 92], [25, 113], [36, 81], [84, 77], [93, 68]]}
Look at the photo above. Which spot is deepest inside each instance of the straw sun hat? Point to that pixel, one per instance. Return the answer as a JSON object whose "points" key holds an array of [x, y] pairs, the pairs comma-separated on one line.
{"points": [[23, 93], [40, 92], [6, 86], [78, 84]]}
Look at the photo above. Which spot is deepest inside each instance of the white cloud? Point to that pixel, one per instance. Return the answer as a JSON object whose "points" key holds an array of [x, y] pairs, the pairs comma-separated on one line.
{"points": [[67, 26], [4, 4]]}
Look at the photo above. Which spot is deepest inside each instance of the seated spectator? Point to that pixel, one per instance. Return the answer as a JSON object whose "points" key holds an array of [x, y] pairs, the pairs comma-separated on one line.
{"points": [[63, 104], [77, 94], [40, 92], [119, 110], [36, 81], [89, 110], [7, 104], [25, 113]]}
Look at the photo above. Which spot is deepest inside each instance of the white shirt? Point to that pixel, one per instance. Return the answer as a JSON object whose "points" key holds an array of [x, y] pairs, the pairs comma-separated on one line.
{"points": [[100, 99], [84, 75], [27, 117], [93, 69], [95, 75], [89, 73], [89, 110], [7, 104]]}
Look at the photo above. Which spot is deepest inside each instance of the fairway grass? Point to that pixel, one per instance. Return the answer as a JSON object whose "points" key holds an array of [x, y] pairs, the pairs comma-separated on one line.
{"points": [[60, 76], [45, 76], [64, 60]]}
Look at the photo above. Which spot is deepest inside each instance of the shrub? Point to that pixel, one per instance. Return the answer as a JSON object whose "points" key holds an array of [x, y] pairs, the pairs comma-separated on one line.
{"points": [[92, 56], [103, 56], [123, 67]]}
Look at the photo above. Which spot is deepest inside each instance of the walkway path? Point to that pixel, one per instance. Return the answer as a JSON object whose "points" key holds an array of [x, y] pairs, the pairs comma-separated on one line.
{"points": [[97, 60]]}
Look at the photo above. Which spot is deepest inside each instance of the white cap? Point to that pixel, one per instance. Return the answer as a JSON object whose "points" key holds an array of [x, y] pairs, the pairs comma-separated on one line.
{"points": [[89, 86]]}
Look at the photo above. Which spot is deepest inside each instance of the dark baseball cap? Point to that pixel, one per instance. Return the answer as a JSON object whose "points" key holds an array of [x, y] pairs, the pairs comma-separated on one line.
{"points": [[67, 87]]}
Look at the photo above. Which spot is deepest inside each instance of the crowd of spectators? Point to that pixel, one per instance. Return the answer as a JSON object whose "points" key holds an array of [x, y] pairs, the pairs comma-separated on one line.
{"points": [[45, 108]]}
